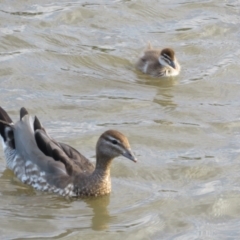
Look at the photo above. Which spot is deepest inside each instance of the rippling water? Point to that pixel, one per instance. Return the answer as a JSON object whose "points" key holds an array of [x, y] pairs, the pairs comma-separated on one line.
{"points": [[71, 63]]}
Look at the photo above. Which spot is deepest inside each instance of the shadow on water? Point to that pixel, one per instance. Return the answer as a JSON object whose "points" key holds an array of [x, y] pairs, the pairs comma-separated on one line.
{"points": [[101, 217], [165, 99], [164, 82], [164, 88]]}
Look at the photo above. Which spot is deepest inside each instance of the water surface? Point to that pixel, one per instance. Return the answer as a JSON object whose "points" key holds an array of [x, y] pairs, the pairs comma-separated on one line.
{"points": [[72, 65]]}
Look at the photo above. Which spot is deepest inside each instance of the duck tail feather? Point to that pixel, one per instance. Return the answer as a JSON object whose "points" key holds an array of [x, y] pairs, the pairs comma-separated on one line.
{"points": [[6, 128]]}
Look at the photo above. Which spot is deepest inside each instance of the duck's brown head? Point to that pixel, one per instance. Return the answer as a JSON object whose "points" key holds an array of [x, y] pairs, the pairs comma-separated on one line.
{"points": [[167, 57], [112, 144]]}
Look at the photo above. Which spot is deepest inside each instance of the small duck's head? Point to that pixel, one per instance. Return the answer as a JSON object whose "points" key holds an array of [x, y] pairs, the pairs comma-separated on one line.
{"points": [[167, 58], [112, 144]]}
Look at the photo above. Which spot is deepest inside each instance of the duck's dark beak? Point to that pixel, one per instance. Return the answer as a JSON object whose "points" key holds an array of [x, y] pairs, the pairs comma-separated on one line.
{"points": [[172, 64], [128, 154]]}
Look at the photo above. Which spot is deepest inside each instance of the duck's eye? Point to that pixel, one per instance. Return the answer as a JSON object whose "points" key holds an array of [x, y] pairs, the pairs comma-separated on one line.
{"points": [[114, 142]]}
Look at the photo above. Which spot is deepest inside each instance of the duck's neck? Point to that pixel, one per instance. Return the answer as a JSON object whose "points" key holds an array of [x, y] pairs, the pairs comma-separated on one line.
{"points": [[100, 178], [103, 164], [98, 183]]}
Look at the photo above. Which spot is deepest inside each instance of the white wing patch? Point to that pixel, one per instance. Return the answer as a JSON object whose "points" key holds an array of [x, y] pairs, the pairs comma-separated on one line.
{"points": [[3, 144], [29, 173], [145, 67]]}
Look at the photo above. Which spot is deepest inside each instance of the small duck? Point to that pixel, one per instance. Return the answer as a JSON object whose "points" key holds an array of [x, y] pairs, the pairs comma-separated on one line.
{"points": [[47, 165], [159, 63]]}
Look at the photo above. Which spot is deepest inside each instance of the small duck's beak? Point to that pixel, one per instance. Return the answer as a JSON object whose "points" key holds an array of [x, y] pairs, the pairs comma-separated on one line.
{"points": [[128, 154], [172, 64]]}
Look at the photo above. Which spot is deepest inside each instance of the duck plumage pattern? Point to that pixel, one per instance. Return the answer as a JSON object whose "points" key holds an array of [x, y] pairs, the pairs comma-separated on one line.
{"points": [[158, 63], [47, 165]]}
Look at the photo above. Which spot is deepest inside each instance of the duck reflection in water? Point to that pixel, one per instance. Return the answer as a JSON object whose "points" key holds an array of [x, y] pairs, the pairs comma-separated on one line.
{"points": [[101, 217]]}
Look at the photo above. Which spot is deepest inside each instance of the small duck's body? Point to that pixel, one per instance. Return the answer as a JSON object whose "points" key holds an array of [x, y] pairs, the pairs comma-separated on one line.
{"points": [[159, 63], [47, 165]]}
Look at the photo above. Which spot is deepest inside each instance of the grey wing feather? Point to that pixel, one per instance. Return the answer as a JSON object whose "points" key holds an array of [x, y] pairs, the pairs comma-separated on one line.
{"points": [[72, 159], [77, 157]]}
